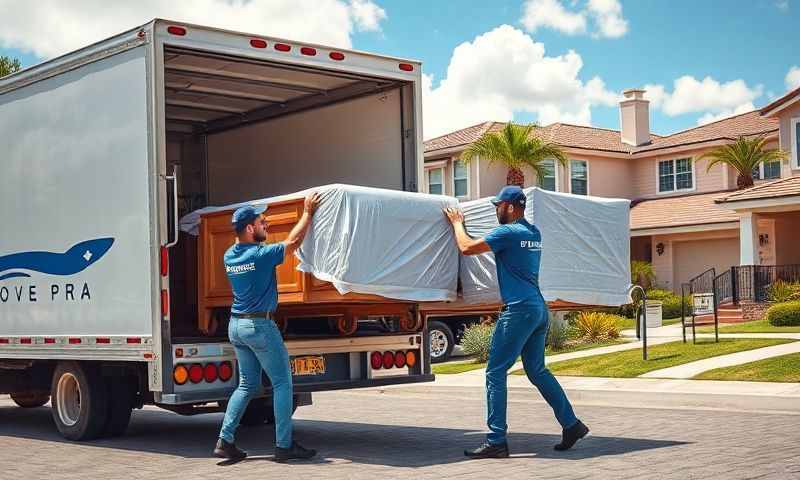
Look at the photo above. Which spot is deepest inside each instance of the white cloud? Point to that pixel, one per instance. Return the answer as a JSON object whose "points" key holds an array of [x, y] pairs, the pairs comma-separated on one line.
{"points": [[52, 27], [793, 78], [606, 16], [552, 14], [504, 71], [783, 5], [714, 99]]}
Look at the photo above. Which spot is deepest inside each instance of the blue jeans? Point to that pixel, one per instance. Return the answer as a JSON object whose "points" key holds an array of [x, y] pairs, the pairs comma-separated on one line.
{"points": [[258, 344], [521, 331]]}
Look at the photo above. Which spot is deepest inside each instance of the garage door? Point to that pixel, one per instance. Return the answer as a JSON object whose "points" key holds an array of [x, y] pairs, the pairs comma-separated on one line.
{"points": [[695, 257]]}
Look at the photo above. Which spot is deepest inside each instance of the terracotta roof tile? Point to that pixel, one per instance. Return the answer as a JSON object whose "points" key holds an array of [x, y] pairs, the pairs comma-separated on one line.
{"points": [[679, 212], [791, 95], [785, 187]]}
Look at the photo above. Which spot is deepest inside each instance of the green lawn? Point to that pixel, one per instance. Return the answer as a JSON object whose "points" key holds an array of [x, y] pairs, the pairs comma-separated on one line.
{"points": [[467, 365], [758, 326], [629, 363], [785, 368], [630, 323]]}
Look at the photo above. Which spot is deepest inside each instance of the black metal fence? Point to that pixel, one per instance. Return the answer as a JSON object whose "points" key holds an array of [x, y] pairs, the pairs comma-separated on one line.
{"points": [[752, 282], [723, 287]]}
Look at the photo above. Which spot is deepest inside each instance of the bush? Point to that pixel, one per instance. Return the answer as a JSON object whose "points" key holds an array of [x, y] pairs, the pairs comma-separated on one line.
{"points": [[671, 304], [596, 326], [477, 340], [784, 314], [781, 291], [557, 335], [642, 273]]}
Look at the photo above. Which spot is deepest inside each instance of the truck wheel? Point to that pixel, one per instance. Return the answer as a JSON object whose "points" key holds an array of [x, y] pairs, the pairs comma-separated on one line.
{"points": [[30, 399], [80, 401], [120, 405], [441, 340]]}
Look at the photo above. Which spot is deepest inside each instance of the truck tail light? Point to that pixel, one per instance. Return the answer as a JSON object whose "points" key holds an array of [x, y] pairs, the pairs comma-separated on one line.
{"points": [[308, 51], [196, 373], [376, 360], [225, 371], [180, 374], [210, 373], [179, 31], [282, 47], [411, 359], [336, 56], [164, 261], [388, 360], [164, 302], [406, 67], [399, 359], [258, 43]]}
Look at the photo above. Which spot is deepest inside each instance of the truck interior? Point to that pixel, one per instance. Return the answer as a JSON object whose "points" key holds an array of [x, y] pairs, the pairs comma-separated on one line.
{"points": [[240, 129]]}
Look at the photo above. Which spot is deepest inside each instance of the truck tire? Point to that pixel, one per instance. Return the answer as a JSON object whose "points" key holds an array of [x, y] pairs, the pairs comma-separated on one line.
{"points": [[120, 405], [80, 401], [30, 399], [441, 340]]}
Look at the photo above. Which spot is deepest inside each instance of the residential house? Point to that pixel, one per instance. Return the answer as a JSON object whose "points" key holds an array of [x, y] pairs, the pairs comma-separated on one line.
{"points": [[685, 218]]}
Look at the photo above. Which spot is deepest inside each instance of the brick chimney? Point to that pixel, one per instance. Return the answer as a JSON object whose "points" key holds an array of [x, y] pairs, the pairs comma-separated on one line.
{"points": [[634, 118]]}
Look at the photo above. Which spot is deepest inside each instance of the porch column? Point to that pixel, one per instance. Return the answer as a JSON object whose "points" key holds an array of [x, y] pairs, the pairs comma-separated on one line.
{"points": [[748, 238]]}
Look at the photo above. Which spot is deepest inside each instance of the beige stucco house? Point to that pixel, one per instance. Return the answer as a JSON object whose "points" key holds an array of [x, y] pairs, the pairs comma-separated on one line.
{"points": [[685, 219]]}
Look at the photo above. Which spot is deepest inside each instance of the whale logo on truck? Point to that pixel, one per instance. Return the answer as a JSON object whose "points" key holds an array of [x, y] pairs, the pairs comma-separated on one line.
{"points": [[77, 259]]}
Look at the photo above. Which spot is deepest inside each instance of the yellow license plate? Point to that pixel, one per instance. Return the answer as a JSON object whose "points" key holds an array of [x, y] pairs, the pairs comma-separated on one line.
{"points": [[311, 365]]}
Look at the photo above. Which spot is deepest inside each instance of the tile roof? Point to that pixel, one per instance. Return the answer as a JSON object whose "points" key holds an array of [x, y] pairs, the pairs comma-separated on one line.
{"points": [[790, 96], [785, 187], [680, 211], [601, 139]]}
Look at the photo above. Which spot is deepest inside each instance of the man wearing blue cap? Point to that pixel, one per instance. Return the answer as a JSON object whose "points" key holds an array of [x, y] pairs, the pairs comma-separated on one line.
{"points": [[522, 326], [250, 266]]}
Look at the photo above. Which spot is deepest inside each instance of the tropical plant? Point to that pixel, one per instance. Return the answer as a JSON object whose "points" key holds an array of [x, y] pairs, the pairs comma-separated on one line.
{"points": [[642, 273], [596, 326], [8, 65], [744, 155], [781, 291], [477, 340], [516, 147], [557, 335]]}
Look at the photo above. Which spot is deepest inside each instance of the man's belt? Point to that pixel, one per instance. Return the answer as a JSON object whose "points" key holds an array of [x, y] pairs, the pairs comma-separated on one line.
{"points": [[252, 315]]}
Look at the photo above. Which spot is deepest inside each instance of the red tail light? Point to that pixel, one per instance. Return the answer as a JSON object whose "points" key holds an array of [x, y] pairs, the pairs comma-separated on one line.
{"points": [[164, 261], [399, 359], [388, 359], [25, 340], [225, 371], [132, 340], [74, 341], [282, 47], [164, 302], [102, 340], [308, 51], [49, 341], [376, 360], [258, 43], [196, 373], [406, 67], [210, 373], [180, 31], [336, 56]]}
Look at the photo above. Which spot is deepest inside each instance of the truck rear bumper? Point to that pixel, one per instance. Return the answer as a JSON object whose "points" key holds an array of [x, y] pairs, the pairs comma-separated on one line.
{"points": [[205, 396]]}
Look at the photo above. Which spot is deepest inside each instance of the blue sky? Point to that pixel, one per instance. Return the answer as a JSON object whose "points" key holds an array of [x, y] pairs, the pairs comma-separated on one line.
{"points": [[742, 46]]}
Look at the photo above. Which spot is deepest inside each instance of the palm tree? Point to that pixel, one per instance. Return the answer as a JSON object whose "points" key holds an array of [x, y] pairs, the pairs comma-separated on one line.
{"points": [[515, 146], [744, 155]]}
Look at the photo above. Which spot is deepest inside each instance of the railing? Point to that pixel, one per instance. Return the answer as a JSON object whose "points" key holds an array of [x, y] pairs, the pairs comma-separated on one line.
{"points": [[752, 282], [703, 283], [723, 287]]}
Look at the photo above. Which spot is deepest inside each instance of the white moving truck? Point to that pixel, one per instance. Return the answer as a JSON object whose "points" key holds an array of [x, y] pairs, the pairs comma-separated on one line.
{"points": [[107, 147]]}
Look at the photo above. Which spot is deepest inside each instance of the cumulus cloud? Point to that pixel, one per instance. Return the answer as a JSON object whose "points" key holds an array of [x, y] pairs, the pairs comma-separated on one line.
{"points": [[606, 16], [793, 78], [505, 71], [51, 27], [714, 99]]}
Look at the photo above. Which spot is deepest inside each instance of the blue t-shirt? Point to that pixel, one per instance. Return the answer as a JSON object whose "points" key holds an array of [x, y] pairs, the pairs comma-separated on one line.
{"points": [[517, 249], [251, 270]]}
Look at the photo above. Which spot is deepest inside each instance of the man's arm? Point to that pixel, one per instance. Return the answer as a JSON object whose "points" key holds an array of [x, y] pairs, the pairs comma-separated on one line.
{"points": [[298, 233], [466, 244]]}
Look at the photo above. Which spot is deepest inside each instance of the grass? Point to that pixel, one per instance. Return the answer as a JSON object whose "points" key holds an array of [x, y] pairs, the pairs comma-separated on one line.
{"points": [[468, 365], [629, 363], [757, 326], [630, 323], [785, 368]]}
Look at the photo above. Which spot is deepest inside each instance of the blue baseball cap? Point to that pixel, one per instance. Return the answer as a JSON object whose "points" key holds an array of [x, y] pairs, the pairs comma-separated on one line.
{"points": [[510, 194], [244, 216]]}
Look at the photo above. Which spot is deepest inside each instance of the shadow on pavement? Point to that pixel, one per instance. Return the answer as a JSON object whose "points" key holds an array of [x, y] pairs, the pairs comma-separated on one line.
{"points": [[162, 432]]}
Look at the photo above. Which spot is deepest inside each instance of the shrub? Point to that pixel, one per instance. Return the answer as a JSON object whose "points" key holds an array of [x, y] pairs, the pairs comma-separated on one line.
{"points": [[596, 326], [557, 335], [784, 314], [671, 304], [781, 291], [477, 340], [642, 273]]}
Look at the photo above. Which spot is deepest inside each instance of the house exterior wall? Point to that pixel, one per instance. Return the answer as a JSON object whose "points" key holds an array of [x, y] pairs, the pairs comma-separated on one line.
{"points": [[645, 175], [787, 236], [701, 250], [790, 167]]}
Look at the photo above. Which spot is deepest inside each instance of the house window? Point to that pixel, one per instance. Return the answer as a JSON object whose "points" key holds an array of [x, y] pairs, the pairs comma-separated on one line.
{"points": [[435, 181], [460, 179], [767, 171], [548, 181], [579, 177], [675, 175]]}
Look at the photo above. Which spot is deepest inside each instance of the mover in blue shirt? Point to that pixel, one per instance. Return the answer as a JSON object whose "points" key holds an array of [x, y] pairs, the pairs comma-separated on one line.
{"points": [[522, 326], [250, 266]]}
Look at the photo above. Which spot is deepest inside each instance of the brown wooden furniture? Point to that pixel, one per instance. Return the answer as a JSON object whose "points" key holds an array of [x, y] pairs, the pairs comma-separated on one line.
{"points": [[299, 294]]}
